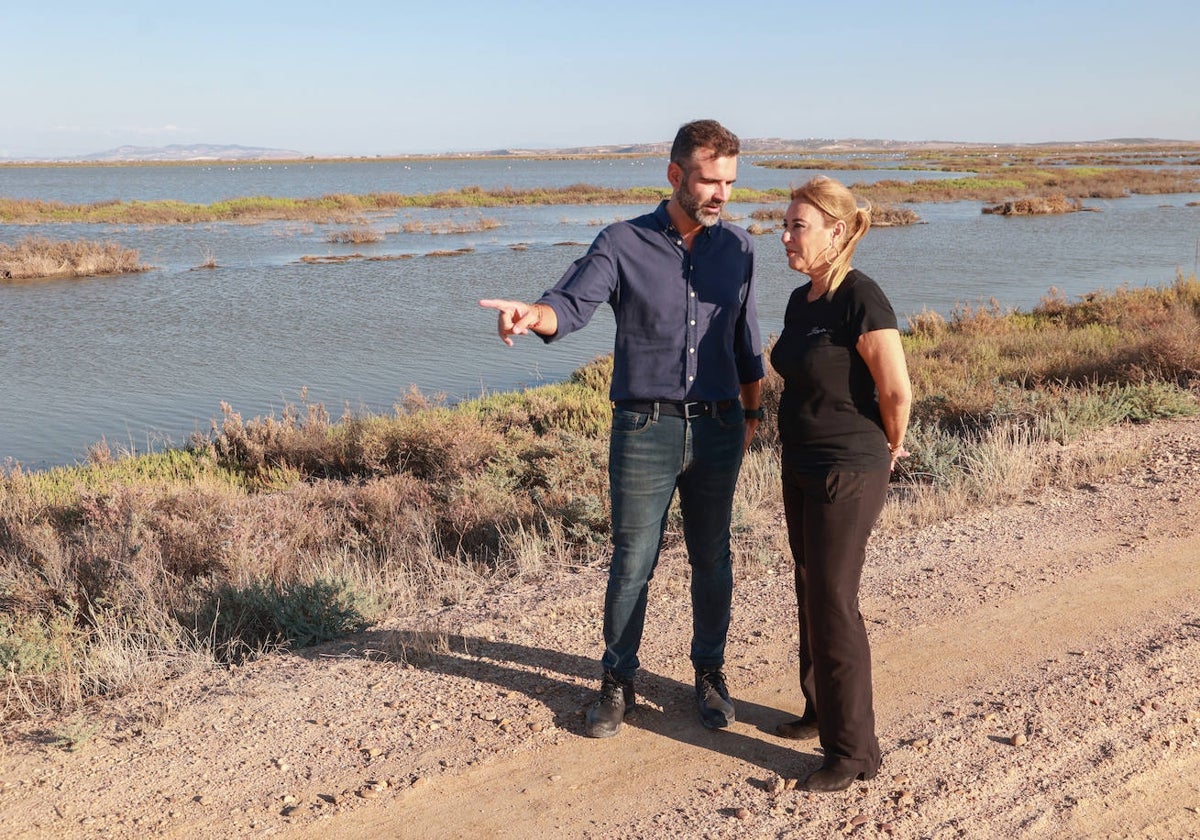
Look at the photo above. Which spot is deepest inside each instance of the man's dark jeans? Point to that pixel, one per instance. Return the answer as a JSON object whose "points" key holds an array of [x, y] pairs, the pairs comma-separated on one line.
{"points": [[650, 456]]}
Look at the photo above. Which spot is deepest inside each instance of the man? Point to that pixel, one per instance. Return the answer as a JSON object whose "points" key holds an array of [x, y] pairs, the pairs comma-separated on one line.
{"points": [[687, 345]]}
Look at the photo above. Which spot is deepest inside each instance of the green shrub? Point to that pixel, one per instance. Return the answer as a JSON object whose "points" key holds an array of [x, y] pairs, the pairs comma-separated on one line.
{"points": [[242, 621], [35, 645]]}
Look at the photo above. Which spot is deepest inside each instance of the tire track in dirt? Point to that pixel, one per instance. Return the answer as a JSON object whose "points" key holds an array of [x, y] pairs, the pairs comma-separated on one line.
{"points": [[594, 788]]}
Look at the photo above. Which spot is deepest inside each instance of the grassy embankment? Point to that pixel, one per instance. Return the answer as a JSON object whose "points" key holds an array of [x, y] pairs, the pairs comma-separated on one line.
{"points": [[1021, 183], [124, 571], [1013, 183]]}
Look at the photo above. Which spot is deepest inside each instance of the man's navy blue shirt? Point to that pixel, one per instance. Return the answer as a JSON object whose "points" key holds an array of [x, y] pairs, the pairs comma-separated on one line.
{"points": [[687, 324]]}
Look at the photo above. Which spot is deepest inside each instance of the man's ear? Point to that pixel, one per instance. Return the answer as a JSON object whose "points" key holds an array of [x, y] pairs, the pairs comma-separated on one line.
{"points": [[674, 174]]}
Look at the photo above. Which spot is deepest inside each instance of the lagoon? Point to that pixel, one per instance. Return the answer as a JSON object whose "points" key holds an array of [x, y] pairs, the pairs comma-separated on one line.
{"points": [[142, 361]]}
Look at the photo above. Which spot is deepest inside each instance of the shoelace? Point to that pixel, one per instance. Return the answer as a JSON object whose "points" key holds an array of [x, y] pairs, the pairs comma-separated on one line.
{"points": [[608, 691], [714, 681]]}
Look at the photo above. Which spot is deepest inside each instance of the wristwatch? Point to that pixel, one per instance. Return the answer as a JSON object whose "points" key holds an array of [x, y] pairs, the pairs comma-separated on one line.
{"points": [[755, 413]]}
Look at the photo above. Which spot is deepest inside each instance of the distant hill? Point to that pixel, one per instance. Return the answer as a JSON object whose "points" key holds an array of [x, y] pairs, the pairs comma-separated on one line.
{"points": [[826, 145], [182, 153]]}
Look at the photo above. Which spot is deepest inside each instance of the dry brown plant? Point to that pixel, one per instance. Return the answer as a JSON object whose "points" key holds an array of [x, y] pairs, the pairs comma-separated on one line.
{"points": [[450, 226], [884, 215], [36, 257], [359, 234], [1042, 206]]}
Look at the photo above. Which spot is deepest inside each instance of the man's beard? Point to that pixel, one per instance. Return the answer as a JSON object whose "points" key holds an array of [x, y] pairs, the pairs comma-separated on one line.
{"points": [[691, 205]]}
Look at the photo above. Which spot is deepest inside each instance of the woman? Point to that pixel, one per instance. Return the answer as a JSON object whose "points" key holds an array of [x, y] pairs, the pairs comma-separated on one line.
{"points": [[842, 419]]}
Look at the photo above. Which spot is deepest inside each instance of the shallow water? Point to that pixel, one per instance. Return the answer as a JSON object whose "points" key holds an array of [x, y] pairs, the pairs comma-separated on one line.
{"points": [[143, 360]]}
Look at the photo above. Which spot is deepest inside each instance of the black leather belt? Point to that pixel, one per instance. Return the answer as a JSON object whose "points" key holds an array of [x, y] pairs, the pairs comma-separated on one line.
{"points": [[687, 410]]}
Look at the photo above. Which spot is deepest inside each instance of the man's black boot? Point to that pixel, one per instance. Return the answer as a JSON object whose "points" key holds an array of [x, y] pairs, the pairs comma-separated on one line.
{"points": [[716, 709], [616, 700]]}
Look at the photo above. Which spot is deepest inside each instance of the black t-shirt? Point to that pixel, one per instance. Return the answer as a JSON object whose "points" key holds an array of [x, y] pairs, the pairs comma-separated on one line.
{"points": [[829, 412]]}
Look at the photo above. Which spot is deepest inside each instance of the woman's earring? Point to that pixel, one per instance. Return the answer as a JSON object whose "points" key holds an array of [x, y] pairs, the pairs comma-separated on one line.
{"points": [[828, 258]]}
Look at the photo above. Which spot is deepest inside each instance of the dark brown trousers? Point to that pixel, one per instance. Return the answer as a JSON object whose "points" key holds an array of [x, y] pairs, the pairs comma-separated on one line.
{"points": [[829, 517]]}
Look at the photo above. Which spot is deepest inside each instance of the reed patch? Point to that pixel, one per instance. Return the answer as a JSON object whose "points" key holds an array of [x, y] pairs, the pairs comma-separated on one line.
{"points": [[36, 257]]}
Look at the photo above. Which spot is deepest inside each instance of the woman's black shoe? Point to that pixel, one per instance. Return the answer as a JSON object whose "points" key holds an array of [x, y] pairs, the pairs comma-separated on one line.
{"points": [[797, 730], [828, 780]]}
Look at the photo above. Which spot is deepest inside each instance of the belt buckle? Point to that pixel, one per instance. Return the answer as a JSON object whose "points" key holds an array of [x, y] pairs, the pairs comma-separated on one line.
{"points": [[700, 408]]}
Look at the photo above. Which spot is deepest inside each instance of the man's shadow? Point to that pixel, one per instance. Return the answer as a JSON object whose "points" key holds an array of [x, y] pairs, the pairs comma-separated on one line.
{"points": [[666, 707]]}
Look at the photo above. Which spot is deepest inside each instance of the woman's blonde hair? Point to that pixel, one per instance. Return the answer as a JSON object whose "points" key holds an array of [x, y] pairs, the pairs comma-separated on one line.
{"points": [[836, 203]]}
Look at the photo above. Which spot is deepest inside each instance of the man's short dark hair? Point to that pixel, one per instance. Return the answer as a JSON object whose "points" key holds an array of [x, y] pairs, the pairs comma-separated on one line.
{"points": [[703, 134]]}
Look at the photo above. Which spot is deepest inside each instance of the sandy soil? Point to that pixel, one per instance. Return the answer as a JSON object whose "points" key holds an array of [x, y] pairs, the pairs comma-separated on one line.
{"points": [[1036, 675]]}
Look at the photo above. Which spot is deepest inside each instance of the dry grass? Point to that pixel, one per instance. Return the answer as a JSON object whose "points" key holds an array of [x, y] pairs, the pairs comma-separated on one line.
{"points": [[36, 257], [113, 573], [1048, 205], [884, 215], [826, 164], [450, 226], [334, 259], [359, 234], [998, 185], [341, 207]]}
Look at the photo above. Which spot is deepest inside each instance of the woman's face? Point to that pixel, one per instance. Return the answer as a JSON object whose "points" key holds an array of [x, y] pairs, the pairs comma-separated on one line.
{"points": [[807, 237]]}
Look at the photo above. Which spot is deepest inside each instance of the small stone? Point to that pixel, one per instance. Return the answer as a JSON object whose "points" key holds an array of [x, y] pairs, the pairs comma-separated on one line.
{"points": [[742, 814], [790, 784], [368, 793], [1019, 740], [859, 819], [776, 785]]}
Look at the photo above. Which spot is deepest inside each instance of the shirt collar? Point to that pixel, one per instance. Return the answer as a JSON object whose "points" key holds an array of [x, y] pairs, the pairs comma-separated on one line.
{"points": [[664, 220]]}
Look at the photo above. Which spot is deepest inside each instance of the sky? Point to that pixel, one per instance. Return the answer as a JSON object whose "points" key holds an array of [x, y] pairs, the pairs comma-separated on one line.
{"points": [[394, 78]]}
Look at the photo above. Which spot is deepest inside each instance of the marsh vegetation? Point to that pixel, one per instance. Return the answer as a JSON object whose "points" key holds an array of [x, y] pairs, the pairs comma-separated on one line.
{"points": [[987, 184], [36, 257], [285, 530]]}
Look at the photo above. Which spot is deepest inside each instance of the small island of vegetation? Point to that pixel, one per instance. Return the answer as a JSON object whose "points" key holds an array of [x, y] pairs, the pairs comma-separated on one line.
{"points": [[36, 257]]}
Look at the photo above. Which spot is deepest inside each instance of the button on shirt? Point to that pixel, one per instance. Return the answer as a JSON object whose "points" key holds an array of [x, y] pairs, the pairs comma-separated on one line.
{"points": [[687, 325]]}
